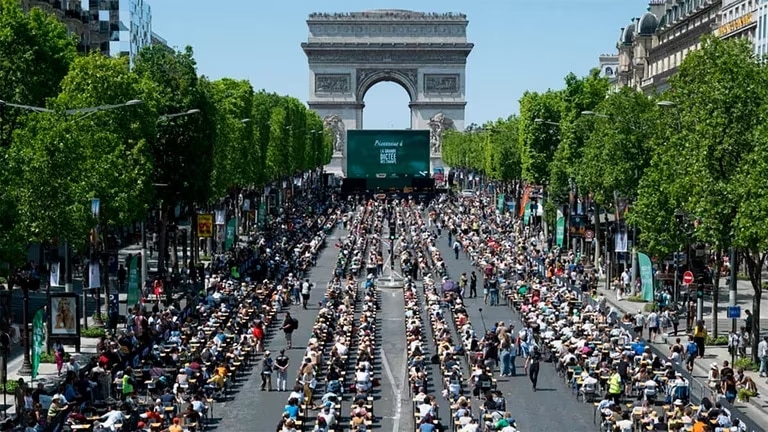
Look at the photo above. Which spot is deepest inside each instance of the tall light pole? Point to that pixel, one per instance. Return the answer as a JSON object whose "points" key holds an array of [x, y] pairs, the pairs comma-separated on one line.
{"points": [[544, 186], [634, 266], [162, 235]]}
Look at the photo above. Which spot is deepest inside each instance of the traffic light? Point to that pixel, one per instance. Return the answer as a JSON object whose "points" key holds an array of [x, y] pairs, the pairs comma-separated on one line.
{"points": [[392, 229], [700, 292]]}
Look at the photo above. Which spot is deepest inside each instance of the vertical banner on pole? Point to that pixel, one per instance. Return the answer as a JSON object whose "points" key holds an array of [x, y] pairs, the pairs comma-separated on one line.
{"points": [[262, 216], [646, 275], [527, 214], [38, 341], [560, 231], [229, 237], [94, 275], [55, 274], [134, 284], [205, 225]]}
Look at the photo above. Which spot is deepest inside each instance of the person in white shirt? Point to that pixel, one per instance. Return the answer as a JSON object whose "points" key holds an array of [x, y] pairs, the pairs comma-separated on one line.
{"points": [[110, 419], [362, 379], [762, 354], [73, 366]]}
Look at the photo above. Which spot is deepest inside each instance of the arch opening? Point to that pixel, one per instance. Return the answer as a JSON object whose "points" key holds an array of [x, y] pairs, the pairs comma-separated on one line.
{"points": [[385, 106]]}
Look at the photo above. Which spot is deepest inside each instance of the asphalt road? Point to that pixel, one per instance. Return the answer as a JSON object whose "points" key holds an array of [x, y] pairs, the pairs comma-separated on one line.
{"points": [[250, 409], [553, 407]]}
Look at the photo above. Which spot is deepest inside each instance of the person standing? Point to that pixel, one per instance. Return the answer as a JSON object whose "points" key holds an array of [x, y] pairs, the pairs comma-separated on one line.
{"points": [[748, 324], [473, 284], [700, 337], [122, 275], [306, 288], [266, 371], [456, 248], [289, 325], [762, 354], [281, 364], [533, 367]]}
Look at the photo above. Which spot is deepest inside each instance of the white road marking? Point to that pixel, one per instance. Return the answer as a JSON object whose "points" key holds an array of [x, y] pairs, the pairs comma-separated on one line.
{"points": [[397, 390]]}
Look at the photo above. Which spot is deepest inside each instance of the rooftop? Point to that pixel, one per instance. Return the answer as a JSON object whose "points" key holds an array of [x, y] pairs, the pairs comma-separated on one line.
{"points": [[387, 14]]}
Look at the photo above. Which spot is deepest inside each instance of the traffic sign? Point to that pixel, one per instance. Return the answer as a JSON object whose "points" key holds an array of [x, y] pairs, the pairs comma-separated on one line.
{"points": [[734, 312], [589, 235], [688, 278]]}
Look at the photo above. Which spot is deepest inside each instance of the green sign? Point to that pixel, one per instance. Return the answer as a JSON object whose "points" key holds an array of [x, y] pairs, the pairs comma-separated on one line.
{"points": [[38, 341], [646, 275], [527, 214], [500, 203], [134, 281], [229, 237], [262, 213], [560, 231], [381, 154]]}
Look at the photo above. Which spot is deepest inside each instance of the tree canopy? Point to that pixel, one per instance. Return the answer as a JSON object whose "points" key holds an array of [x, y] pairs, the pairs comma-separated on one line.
{"points": [[157, 133]]}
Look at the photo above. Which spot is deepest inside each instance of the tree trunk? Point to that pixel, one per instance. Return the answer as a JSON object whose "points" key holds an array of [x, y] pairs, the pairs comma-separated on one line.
{"points": [[754, 262], [162, 243], [596, 242], [716, 290]]}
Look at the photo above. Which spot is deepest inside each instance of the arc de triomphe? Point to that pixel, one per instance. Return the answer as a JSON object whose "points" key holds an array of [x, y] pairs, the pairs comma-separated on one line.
{"points": [[425, 53]]}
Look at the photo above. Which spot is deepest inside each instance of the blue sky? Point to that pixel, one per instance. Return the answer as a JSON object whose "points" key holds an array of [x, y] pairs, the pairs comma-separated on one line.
{"points": [[519, 45]]}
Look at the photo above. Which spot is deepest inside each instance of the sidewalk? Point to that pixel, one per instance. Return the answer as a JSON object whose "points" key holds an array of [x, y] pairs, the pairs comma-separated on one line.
{"points": [[756, 409]]}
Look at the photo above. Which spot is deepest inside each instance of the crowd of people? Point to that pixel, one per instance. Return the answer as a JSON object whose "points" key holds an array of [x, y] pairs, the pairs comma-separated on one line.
{"points": [[170, 363], [600, 354], [342, 349]]}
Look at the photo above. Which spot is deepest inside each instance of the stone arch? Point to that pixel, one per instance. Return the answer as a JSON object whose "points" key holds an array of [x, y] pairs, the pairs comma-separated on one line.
{"points": [[424, 53], [369, 77]]}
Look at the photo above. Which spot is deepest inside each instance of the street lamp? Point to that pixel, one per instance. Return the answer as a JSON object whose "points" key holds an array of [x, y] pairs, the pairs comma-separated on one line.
{"points": [[245, 120], [181, 114], [666, 104], [161, 248], [595, 114], [540, 120]]}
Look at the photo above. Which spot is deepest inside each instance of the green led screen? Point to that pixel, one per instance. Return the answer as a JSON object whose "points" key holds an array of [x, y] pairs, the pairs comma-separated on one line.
{"points": [[381, 154]]}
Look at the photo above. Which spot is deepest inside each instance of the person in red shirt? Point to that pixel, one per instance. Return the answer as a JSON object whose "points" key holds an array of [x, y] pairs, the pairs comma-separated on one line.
{"points": [[258, 334]]}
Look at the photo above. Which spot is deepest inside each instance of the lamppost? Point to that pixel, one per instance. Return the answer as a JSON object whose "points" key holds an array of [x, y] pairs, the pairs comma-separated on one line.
{"points": [[162, 235], [25, 281], [544, 186], [634, 267]]}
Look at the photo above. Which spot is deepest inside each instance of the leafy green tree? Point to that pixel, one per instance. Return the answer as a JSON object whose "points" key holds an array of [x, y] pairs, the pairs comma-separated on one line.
{"points": [[43, 164], [579, 95], [720, 103], [235, 155], [35, 54], [263, 104], [278, 159], [618, 150], [182, 150], [183, 147], [538, 140], [116, 164]]}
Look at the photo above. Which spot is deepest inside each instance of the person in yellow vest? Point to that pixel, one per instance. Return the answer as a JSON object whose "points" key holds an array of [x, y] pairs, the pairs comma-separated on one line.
{"points": [[700, 337], [127, 382], [614, 387]]}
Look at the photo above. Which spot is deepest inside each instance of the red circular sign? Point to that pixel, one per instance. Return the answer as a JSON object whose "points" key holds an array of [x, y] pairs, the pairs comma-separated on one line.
{"points": [[687, 278]]}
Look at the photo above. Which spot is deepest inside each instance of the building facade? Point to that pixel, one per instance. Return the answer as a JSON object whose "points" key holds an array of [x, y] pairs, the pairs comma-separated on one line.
{"points": [[738, 18], [761, 31], [112, 27], [608, 64], [652, 47]]}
